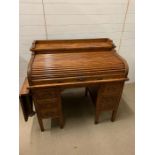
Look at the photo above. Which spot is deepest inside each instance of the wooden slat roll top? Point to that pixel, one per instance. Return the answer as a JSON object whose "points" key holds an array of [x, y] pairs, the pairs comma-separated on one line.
{"points": [[74, 66]]}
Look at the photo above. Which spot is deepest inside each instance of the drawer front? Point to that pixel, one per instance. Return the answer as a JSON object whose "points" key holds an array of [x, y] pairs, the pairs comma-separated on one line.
{"points": [[41, 95], [48, 103], [46, 113], [109, 94], [107, 103], [112, 89], [48, 107]]}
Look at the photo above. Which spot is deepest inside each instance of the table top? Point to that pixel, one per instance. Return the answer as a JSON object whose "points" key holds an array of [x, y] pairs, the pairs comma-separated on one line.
{"points": [[24, 90]]}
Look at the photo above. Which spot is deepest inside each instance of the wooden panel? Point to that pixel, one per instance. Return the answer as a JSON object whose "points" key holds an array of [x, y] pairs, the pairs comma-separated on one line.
{"points": [[109, 96], [49, 113], [107, 103], [112, 89], [26, 100]]}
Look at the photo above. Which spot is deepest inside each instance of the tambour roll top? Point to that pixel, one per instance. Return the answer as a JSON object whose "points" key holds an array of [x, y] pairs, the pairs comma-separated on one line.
{"points": [[64, 62]]}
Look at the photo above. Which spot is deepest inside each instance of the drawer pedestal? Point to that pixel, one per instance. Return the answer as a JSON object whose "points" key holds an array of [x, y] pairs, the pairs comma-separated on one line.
{"points": [[106, 98], [48, 105]]}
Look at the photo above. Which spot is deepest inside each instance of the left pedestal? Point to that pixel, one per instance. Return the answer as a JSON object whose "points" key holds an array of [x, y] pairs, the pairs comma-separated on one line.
{"points": [[47, 103]]}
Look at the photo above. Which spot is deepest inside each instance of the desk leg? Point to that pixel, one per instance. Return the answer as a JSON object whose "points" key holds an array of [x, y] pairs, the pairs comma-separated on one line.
{"points": [[61, 121], [113, 117], [97, 113], [40, 123], [114, 112], [61, 116]]}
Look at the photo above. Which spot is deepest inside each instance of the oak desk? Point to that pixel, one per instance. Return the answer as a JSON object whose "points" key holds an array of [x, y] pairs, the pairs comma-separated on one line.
{"points": [[59, 64]]}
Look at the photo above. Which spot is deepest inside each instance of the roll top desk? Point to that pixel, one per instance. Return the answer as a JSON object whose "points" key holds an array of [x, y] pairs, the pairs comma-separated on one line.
{"points": [[56, 65]]}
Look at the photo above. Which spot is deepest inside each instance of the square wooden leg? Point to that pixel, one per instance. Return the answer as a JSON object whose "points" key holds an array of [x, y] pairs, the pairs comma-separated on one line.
{"points": [[61, 121], [97, 113], [40, 123], [113, 117]]}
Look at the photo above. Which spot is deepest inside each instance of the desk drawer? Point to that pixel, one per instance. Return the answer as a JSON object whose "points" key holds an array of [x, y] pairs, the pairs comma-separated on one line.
{"points": [[48, 103], [111, 89], [46, 113], [107, 103], [48, 107], [46, 94]]}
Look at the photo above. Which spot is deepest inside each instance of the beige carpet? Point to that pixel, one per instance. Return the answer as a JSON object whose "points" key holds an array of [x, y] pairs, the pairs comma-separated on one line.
{"points": [[80, 136]]}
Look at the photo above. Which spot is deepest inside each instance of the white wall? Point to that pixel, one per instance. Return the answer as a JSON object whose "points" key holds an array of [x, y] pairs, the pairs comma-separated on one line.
{"points": [[69, 19], [127, 44]]}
